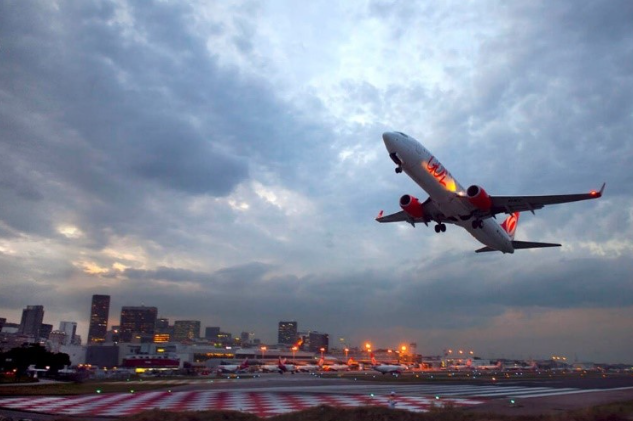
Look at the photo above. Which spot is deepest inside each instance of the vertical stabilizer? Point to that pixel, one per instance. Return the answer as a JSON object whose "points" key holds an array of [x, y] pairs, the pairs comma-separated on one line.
{"points": [[510, 224]]}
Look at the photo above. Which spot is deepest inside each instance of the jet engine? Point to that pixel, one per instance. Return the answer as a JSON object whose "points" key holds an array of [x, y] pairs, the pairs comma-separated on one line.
{"points": [[412, 206], [479, 198]]}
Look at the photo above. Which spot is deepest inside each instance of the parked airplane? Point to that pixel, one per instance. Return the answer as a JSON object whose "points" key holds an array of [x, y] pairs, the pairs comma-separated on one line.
{"points": [[449, 203], [233, 368], [387, 368], [306, 368], [280, 367], [477, 365]]}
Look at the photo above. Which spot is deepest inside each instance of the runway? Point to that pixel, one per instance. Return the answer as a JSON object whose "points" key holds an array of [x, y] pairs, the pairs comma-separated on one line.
{"points": [[273, 395]]}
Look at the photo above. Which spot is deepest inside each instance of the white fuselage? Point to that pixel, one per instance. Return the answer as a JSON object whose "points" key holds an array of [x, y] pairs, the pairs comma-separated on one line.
{"points": [[419, 164]]}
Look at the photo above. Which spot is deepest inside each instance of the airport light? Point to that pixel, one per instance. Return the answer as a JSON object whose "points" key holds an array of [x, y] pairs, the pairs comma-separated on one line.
{"points": [[346, 352], [294, 351], [403, 348], [322, 351], [263, 349]]}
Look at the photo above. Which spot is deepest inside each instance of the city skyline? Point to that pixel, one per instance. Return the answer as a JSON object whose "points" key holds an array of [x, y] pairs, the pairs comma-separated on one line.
{"points": [[223, 162]]}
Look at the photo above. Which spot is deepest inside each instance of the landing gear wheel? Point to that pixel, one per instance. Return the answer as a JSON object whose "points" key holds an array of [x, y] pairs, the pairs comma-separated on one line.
{"points": [[443, 227], [475, 224], [480, 224], [438, 228], [398, 170]]}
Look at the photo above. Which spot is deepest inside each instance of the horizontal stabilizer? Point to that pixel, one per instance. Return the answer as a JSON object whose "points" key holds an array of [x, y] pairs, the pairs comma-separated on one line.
{"points": [[521, 245]]}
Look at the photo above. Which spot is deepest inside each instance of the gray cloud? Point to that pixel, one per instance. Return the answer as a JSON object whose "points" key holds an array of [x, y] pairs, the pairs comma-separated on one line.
{"points": [[165, 159]]}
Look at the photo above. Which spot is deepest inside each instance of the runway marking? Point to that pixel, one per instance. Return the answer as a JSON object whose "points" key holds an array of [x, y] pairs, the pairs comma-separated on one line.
{"points": [[263, 404]]}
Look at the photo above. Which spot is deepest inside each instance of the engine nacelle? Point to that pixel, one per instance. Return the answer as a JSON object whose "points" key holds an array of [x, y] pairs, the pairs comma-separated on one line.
{"points": [[412, 206], [479, 198]]}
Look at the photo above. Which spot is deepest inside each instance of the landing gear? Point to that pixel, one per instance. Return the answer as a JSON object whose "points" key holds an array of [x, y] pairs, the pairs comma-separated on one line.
{"points": [[440, 228], [398, 170], [477, 223]]}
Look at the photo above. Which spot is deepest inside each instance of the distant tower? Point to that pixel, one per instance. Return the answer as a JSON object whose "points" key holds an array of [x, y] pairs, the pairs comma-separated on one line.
{"points": [[211, 333], [31, 322], [137, 320], [70, 329], [186, 329], [319, 340], [45, 331], [99, 312], [287, 333]]}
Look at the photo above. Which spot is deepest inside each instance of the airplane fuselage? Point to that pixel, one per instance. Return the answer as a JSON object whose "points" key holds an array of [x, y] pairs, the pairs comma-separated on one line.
{"points": [[443, 190]]}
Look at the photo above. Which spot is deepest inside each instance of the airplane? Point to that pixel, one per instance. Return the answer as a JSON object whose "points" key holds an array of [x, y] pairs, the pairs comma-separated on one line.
{"points": [[489, 366], [281, 367], [472, 208], [305, 368], [233, 368], [335, 367], [387, 368]]}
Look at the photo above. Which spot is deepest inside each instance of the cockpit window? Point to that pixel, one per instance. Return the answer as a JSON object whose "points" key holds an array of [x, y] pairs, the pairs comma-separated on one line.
{"points": [[403, 134]]}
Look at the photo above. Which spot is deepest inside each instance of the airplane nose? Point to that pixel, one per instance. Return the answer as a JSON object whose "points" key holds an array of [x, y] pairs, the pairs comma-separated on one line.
{"points": [[389, 140]]}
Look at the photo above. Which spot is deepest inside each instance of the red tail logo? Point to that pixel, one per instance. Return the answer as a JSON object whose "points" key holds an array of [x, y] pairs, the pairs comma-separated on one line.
{"points": [[510, 224]]}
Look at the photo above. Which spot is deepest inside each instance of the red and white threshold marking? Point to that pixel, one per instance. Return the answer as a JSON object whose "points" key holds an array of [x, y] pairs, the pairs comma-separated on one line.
{"points": [[263, 404]]}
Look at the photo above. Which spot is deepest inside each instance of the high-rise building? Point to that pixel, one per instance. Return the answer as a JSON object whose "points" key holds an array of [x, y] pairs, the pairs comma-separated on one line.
{"points": [[45, 331], [162, 325], [211, 333], [319, 340], [287, 333], [31, 322], [186, 330], [2, 322], [70, 328], [246, 338], [139, 321], [99, 312]]}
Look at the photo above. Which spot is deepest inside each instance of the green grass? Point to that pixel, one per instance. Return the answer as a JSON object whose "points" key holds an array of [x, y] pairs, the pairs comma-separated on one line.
{"points": [[78, 388]]}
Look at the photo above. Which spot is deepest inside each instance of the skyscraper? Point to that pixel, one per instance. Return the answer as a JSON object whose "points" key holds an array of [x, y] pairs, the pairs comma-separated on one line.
{"points": [[211, 333], [287, 333], [319, 340], [31, 322], [186, 329], [45, 331], [137, 320], [70, 329], [99, 312]]}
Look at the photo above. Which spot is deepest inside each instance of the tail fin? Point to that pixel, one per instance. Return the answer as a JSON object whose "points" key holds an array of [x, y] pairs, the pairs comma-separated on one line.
{"points": [[373, 360], [510, 224]]}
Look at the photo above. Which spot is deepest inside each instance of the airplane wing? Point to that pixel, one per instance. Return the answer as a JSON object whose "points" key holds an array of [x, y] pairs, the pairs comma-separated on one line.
{"points": [[511, 204], [394, 217], [402, 216]]}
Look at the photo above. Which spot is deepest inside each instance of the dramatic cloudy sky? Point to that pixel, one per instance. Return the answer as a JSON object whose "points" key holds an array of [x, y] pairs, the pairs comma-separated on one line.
{"points": [[223, 161]]}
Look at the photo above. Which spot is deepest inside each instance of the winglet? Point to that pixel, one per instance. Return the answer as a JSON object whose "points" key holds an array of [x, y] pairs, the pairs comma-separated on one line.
{"points": [[379, 215], [597, 194]]}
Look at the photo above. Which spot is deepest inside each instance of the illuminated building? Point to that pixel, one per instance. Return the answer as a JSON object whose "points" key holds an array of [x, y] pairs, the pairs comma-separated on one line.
{"points": [[137, 322], [99, 312], [186, 330], [319, 340], [31, 322], [287, 333], [161, 338]]}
